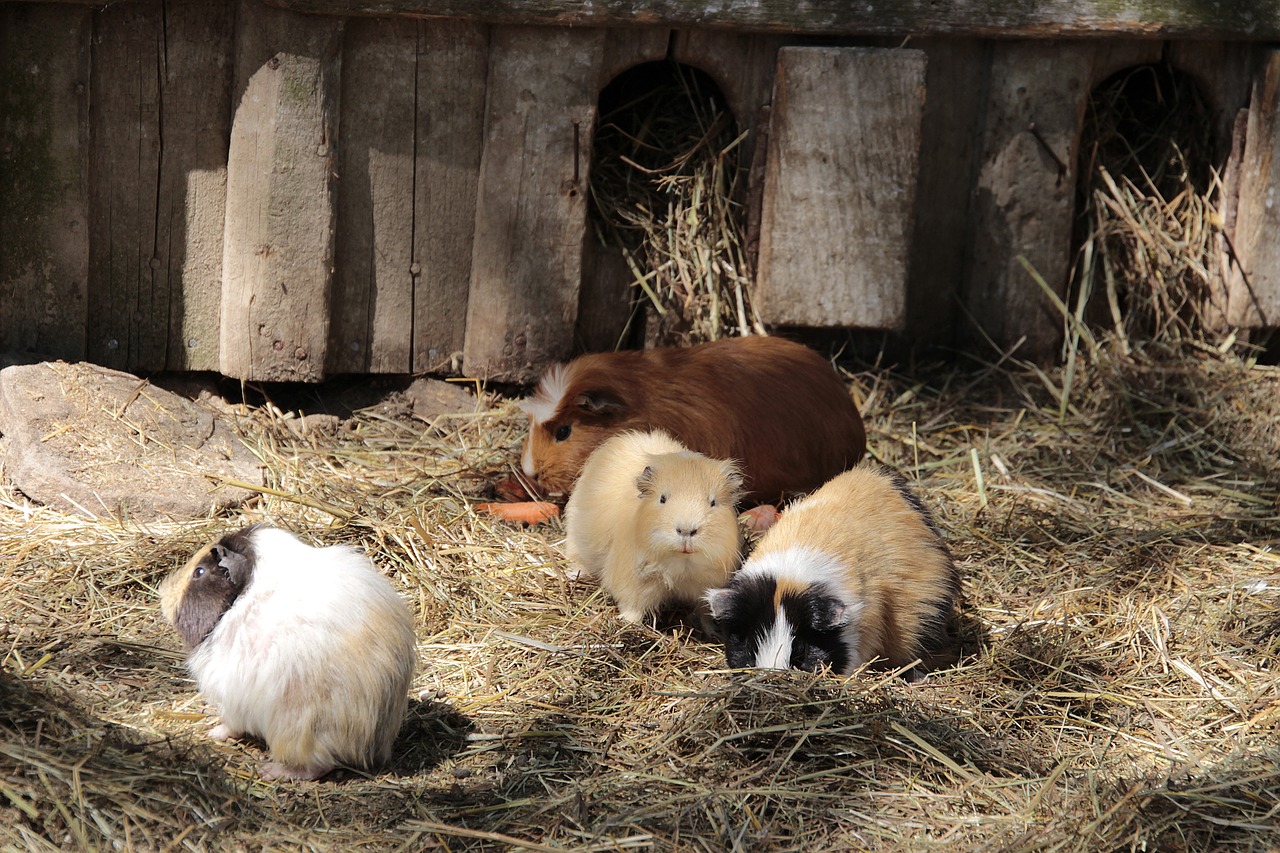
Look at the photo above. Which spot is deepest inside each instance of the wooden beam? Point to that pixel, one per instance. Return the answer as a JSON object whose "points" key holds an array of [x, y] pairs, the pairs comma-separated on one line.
{"points": [[279, 240], [987, 18], [840, 186], [1254, 298], [526, 269], [44, 164]]}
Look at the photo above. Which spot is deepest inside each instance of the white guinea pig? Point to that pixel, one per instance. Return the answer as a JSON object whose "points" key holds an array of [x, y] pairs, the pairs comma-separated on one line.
{"points": [[654, 521], [855, 571], [310, 649]]}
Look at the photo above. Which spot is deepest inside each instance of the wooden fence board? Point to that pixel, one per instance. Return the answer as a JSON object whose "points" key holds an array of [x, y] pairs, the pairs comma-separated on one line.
{"points": [[128, 301], [840, 187], [195, 130], [1024, 196], [530, 213], [986, 18], [1254, 299], [278, 249], [44, 252], [372, 302], [453, 58]]}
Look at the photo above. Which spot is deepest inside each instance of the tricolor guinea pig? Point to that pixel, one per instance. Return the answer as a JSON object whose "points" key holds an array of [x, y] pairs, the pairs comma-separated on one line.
{"points": [[775, 406], [856, 571], [654, 521], [310, 649]]}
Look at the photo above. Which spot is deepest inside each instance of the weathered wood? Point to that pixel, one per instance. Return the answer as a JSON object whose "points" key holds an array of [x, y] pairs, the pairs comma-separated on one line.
{"points": [[1254, 298], [988, 18], [195, 120], [840, 186], [371, 308], [128, 302], [626, 48], [44, 247], [278, 248], [453, 58], [531, 210], [1023, 203], [743, 66]]}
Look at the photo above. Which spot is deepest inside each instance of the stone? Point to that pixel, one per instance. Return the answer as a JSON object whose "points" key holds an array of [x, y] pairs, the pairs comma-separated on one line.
{"points": [[95, 441], [431, 398]]}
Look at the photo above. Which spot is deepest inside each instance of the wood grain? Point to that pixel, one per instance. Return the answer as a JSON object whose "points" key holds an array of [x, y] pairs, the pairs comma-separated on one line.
{"points": [[840, 186], [279, 240], [531, 213]]}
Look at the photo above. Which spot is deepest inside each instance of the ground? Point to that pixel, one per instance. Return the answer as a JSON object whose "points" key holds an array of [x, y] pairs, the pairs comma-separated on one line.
{"points": [[1115, 527]]}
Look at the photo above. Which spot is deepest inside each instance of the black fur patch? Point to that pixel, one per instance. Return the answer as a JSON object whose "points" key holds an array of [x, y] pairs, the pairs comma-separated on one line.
{"points": [[745, 618], [214, 585], [817, 620]]}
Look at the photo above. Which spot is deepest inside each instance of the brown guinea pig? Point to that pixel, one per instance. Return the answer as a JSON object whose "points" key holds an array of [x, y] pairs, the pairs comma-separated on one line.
{"points": [[774, 405]]}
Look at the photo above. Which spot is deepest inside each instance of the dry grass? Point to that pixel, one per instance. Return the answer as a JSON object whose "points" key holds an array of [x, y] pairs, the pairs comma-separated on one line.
{"points": [[1118, 688], [666, 190]]}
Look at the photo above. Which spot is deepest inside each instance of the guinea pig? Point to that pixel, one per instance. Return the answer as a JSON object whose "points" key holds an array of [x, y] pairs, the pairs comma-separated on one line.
{"points": [[310, 649], [856, 571], [654, 521], [774, 405]]}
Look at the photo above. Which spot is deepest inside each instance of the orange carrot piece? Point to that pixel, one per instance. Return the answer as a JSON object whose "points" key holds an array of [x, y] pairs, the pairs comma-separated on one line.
{"points": [[526, 512]]}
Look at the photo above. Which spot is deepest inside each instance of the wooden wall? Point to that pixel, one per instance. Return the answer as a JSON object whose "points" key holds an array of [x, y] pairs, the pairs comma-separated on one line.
{"points": [[225, 185]]}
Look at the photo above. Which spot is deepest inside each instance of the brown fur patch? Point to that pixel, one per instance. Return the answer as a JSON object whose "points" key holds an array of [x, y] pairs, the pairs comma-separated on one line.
{"points": [[787, 587]]}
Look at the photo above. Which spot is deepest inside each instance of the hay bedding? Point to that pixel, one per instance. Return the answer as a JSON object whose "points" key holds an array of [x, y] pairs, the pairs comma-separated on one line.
{"points": [[1118, 687]]}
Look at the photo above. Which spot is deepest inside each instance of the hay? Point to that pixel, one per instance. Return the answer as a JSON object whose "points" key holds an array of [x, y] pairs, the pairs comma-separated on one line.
{"points": [[1118, 686], [665, 189]]}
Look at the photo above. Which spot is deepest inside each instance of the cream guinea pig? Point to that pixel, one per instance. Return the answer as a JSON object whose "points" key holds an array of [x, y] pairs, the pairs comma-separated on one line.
{"points": [[310, 649], [776, 406], [853, 572], [654, 521]]}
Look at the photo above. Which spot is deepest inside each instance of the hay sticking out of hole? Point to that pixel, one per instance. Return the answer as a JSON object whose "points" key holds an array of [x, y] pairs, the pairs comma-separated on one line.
{"points": [[665, 189], [1152, 249]]}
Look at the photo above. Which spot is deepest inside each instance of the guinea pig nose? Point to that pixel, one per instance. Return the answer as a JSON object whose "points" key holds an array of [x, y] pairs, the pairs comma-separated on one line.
{"points": [[686, 531]]}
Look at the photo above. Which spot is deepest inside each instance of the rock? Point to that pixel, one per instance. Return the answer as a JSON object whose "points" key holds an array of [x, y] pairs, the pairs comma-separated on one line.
{"points": [[431, 398], [88, 439]]}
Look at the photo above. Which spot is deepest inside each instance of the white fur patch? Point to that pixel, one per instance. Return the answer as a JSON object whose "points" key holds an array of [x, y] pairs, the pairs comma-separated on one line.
{"points": [[542, 404], [801, 563], [774, 651]]}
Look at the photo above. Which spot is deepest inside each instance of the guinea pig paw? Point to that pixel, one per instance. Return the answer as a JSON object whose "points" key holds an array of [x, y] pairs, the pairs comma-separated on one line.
{"points": [[223, 732], [635, 617], [760, 518], [274, 770]]}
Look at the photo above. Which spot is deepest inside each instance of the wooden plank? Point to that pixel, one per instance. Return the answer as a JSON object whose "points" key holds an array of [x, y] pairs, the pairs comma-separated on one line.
{"points": [[1024, 199], [986, 18], [1254, 299], [531, 209], [44, 253], [278, 250], [195, 130], [372, 301], [128, 301], [453, 60], [948, 166], [840, 187]]}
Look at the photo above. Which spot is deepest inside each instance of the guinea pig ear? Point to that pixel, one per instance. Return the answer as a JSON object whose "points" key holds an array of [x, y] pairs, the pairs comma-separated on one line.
{"points": [[733, 477], [600, 403], [828, 614], [718, 602], [235, 565], [644, 483]]}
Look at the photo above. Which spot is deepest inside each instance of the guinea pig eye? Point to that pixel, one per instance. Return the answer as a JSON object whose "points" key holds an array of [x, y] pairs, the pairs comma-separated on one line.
{"points": [[713, 501], [199, 572], [662, 499], [562, 432]]}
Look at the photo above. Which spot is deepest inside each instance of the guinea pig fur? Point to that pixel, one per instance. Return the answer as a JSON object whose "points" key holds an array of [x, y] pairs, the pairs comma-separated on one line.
{"points": [[855, 571], [654, 521], [774, 405], [310, 649]]}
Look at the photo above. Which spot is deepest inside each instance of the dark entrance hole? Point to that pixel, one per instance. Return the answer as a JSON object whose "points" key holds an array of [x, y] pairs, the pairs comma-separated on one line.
{"points": [[666, 193], [1147, 259]]}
